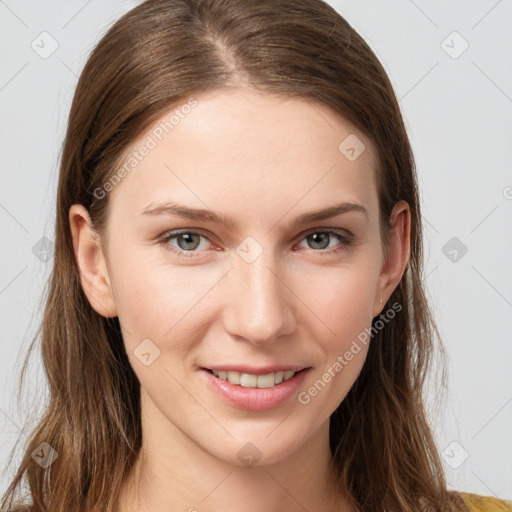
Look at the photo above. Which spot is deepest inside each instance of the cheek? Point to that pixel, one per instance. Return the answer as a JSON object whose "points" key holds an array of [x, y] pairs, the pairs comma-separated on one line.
{"points": [[341, 298], [344, 336], [342, 303], [156, 300], [143, 295]]}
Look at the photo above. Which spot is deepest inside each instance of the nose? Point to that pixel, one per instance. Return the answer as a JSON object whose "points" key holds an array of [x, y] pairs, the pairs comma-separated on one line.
{"points": [[260, 306]]}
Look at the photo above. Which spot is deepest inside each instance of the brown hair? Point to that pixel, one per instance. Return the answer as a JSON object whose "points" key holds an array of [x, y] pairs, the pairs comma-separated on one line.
{"points": [[155, 57]]}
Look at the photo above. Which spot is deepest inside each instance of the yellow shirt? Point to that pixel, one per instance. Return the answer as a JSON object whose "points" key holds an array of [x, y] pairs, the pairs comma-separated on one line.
{"points": [[477, 503]]}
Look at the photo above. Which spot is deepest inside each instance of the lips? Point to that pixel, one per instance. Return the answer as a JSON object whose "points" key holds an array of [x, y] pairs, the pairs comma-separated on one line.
{"points": [[250, 397]]}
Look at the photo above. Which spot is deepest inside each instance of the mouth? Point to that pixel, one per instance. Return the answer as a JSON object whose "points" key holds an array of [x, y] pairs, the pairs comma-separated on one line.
{"points": [[258, 391], [251, 380]]}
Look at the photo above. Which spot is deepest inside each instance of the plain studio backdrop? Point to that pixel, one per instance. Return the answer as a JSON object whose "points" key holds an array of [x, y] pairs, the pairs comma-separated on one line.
{"points": [[451, 66]]}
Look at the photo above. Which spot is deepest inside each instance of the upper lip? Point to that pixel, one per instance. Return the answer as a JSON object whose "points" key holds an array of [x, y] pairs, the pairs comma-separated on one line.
{"points": [[261, 370]]}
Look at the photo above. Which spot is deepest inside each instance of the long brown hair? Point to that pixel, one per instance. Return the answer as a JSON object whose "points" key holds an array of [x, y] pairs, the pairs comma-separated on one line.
{"points": [[154, 58]]}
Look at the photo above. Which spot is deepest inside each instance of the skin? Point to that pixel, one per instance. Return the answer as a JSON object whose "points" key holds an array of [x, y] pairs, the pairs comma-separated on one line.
{"points": [[262, 161]]}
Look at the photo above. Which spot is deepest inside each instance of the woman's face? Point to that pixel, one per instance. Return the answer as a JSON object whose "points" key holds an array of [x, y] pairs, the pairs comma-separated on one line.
{"points": [[261, 291]]}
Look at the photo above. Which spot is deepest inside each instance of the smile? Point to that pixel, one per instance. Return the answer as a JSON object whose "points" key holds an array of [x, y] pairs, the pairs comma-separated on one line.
{"points": [[254, 392], [248, 380]]}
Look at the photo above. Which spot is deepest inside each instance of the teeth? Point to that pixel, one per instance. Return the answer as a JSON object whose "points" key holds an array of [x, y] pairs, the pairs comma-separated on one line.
{"points": [[233, 377], [288, 375], [248, 380]]}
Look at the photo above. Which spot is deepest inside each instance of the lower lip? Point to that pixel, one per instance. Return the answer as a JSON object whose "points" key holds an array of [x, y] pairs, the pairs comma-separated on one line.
{"points": [[255, 399]]}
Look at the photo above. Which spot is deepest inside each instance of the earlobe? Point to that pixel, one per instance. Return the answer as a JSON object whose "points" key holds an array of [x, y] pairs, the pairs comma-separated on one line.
{"points": [[398, 254], [91, 262]]}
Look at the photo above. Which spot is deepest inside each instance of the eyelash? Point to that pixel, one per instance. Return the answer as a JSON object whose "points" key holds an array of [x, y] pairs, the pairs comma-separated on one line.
{"points": [[346, 241]]}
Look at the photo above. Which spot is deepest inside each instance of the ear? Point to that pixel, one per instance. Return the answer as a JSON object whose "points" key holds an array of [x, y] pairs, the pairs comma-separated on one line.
{"points": [[91, 262], [398, 255]]}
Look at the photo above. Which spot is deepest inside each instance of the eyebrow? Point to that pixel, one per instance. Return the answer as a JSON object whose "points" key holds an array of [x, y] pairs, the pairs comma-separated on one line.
{"points": [[171, 208]]}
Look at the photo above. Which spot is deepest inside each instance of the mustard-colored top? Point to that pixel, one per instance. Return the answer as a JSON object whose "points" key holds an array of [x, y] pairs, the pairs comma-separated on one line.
{"points": [[477, 503]]}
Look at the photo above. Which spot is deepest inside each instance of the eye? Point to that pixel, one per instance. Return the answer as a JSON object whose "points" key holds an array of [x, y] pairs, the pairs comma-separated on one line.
{"points": [[187, 241], [319, 241]]}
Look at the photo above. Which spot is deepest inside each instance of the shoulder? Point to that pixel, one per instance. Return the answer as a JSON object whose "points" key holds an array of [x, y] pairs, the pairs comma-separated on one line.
{"points": [[478, 503], [19, 507]]}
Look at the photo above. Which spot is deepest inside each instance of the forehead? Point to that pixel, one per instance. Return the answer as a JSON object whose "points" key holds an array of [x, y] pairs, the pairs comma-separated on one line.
{"points": [[247, 149]]}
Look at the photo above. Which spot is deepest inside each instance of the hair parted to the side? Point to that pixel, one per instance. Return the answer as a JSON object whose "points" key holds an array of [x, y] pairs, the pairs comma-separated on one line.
{"points": [[156, 57]]}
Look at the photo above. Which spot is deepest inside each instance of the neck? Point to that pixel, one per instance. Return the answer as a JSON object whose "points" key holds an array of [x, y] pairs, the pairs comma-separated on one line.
{"points": [[173, 473]]}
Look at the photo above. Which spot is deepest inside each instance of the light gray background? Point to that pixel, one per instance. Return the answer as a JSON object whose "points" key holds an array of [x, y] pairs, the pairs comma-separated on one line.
{"points": [[458, 111]]}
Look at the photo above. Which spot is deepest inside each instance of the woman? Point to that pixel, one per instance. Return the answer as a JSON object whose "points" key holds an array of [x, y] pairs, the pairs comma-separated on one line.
{"points": [[236, 318]]}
